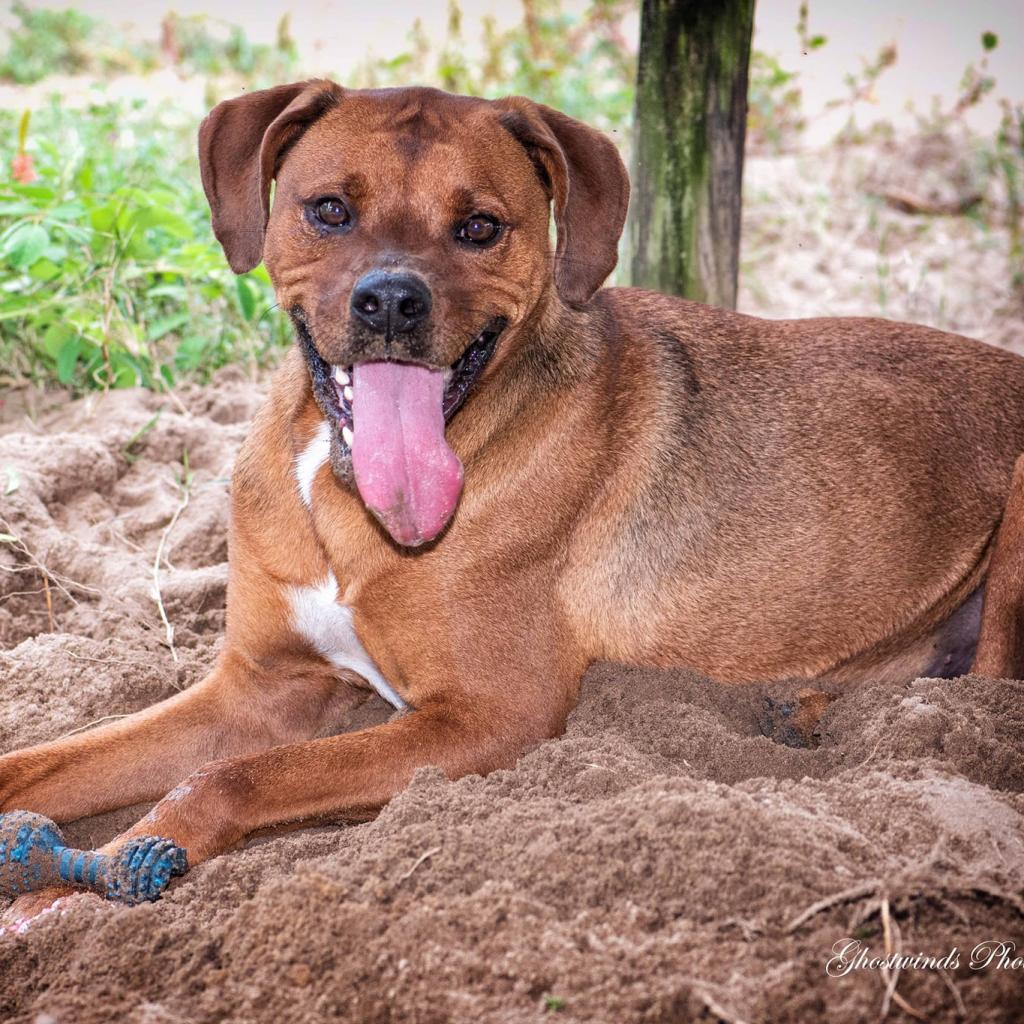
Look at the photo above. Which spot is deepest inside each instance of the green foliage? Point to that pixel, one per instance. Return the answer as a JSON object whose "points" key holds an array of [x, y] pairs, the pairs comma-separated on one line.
{"points": [[581, 64], [205, 46], [46, 42], [109, 272], [808, 40], [775, 117], [1005, 159]]}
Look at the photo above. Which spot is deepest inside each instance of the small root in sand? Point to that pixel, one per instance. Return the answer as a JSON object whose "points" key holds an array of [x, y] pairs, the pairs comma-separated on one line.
{"points": [[419, 860], [908, 891], [63, 583], [185, 484]]}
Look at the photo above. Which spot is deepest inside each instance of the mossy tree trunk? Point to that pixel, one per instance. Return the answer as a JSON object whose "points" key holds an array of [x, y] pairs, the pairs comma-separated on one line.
{"points": [[691, 111]]}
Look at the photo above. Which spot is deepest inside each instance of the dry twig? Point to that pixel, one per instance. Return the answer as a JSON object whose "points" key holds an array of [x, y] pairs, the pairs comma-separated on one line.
{"points": [[419, 860], [846, 896], [49, 603], [186, 488]]}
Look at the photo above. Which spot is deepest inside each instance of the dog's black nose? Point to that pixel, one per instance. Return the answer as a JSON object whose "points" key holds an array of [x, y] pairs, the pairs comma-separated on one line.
{"points": [[390, 303]]}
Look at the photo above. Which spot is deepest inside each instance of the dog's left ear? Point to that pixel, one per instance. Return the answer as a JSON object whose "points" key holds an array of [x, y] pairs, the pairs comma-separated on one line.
{"points": [[587, 182], [239, 145]]}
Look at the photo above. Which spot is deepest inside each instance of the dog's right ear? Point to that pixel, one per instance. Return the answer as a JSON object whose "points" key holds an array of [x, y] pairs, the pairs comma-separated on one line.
{"points": [[239, 145]]}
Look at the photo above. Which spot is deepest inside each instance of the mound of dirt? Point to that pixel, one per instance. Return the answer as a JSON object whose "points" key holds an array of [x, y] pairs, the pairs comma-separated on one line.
{"points": [[663, 862]]}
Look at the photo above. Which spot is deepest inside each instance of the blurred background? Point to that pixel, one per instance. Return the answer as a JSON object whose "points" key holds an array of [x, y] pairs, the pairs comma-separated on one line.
{"points": [[884, 168]]}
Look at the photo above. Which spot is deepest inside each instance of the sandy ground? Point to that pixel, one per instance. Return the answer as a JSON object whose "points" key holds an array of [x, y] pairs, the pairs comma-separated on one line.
{"points": [[649, 866], [823, 236]]}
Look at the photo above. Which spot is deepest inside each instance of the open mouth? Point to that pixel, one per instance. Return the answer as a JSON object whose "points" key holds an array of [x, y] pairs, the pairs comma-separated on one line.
{"points": [[390, 419], [460, 379]]}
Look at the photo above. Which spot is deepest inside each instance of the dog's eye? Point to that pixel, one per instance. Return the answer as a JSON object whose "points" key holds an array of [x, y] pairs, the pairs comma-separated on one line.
{"points": [[332, 212], [479, 229]]}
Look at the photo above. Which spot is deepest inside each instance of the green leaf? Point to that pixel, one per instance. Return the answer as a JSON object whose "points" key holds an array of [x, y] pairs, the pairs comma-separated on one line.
{"points": [[44, 270], [67, 357], [126, 373], [102, 217], [33, 191], [73, 210], [55, 337], [128, 451], [140, 219], [167, 291], [16, 207], [989, 40], [246, 298], [190, 352], [165, 325], [25, 244]]}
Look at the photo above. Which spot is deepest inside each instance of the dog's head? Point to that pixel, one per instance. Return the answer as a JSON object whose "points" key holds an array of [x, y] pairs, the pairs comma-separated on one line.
{"points": [[409, 240]]}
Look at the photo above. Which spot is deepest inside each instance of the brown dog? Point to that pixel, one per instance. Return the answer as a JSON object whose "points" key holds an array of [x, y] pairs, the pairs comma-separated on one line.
{"points": [[646, 479]]}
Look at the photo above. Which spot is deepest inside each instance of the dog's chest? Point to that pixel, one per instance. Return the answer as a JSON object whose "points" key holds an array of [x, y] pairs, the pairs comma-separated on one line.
{"points": [[318, 616]]}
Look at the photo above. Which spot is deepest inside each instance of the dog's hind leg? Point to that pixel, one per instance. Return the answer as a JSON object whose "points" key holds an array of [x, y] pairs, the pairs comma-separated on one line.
{"points": [[1000, 651]]}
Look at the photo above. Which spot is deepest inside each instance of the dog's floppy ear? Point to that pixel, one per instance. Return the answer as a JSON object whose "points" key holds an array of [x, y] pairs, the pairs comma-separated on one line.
{"points": [[239, 145], [587, 182]]}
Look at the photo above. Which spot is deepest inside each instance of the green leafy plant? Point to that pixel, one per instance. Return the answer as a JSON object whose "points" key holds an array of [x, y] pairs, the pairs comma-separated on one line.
{"points": [[45, 41], [775, 119], [109, 272]]}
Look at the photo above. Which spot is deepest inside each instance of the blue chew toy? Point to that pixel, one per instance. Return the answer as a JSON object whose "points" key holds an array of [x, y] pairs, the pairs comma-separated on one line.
{"points": [[33, 856]]}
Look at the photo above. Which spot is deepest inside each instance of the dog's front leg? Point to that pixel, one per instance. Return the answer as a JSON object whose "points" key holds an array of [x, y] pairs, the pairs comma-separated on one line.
{"points": [[236, 709], [340, 778]]}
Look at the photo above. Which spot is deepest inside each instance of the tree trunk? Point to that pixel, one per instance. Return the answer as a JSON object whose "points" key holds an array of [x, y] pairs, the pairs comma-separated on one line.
{"points": [[691, 112]]}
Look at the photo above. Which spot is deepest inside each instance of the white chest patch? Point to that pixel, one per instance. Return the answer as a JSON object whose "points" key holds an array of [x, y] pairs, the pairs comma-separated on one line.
{"points": [[328, 627], [310, 459]]}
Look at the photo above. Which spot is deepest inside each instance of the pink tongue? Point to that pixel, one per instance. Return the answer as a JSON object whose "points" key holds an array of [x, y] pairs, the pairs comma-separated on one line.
{"points": [[406, 473]]}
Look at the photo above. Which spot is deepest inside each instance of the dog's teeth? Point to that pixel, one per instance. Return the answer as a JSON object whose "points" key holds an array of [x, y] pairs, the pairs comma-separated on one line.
{"points": [[347, 436], [341, 376], [348, 391]]}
